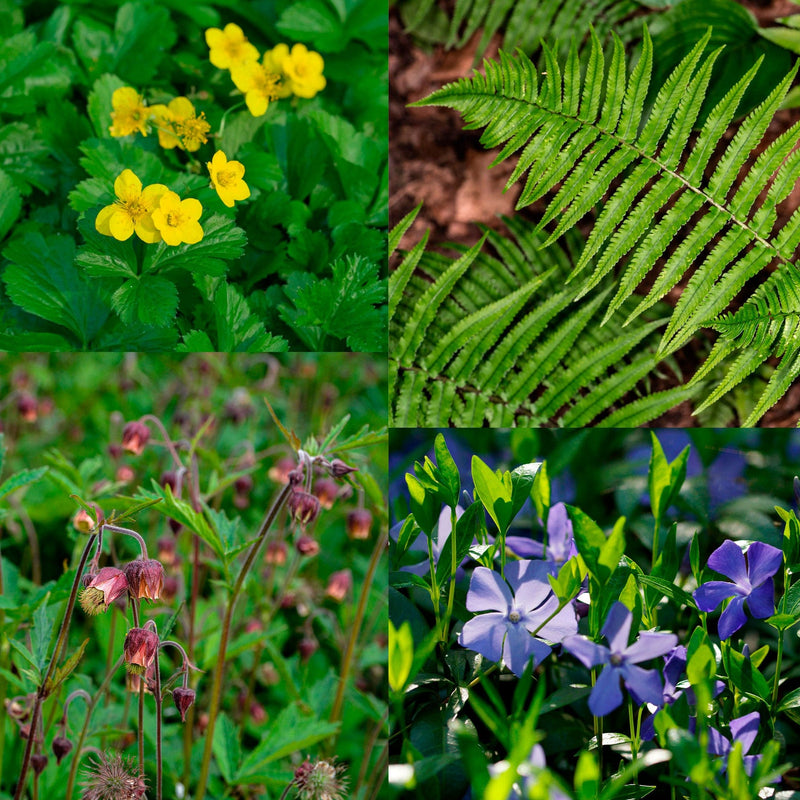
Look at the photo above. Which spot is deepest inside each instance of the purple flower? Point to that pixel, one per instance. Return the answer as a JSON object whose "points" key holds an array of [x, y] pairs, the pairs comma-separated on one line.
{"points": [[531, 777], [507, 631], [752, 581], [620, 661], [744, 729], [560, 541]]}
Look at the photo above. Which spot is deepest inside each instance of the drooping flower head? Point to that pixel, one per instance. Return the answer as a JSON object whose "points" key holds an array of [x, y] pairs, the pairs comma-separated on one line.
{"points": [[227, 177], [102, 590], [339, 584], [359, 522], [303, 507], [130, 113], [303, 68], [179, 125], [229, 46], [752, 582], [259, 86], [743, 729], [145, 578], [113, 777], [140, 649], [135, 436], [513, 629], [132, 210], [177, 220], [184, 699], [620, 660]]}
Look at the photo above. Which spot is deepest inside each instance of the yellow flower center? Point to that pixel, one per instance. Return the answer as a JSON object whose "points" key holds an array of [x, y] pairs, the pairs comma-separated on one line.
{"points": [[175, 219], [226, 177], [193, 129], [266, 83], [300, 70], [135, 209]]}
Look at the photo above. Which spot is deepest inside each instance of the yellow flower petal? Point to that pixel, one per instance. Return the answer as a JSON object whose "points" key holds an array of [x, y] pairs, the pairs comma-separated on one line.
{"points": [[146, 230], [192, 208], [121, 226], [181, 108], [215, 38], [191, 232], [256, 103], [103, 217], [127, 186]]}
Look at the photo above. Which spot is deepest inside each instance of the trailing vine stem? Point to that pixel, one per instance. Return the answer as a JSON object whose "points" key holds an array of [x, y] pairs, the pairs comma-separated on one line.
{"points": [[41, 692], [216, 689]]}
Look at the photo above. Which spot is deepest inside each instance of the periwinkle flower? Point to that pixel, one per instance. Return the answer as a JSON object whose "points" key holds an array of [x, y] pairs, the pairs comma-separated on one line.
{"points": [[509, 631], [560, 541], [620, 660], [743, 729], [752, 581]]}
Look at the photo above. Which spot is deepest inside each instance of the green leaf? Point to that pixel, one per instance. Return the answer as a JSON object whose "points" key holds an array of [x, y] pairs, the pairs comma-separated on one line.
{"points": [[67, 668], [668, 589], [104, 256], [601, 554], [238, 329], [143, 33], [222, 241], [10, 203], [467, 527], [226, 748], [664, 478], [42, 632], [314, 21], [494, 493], [744, 675], [401, 655], [151, 299], [424, 504], [99, 105], [448, 471], [43, 280], [20, 479]]}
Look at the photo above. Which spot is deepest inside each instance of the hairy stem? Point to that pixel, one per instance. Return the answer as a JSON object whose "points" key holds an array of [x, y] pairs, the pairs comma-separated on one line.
{"points": [[216, 689], [42, 692]]}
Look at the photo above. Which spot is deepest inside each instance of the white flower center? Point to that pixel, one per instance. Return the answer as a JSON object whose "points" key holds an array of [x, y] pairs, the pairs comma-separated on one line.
{"points": [[513, 616]]}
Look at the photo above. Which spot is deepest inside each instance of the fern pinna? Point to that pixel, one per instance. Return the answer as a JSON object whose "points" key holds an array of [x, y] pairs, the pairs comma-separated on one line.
{"points": [[471, 336], [678, 203]]}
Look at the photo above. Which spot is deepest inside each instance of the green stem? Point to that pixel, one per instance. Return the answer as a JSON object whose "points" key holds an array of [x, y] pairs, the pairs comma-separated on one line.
{"points": [[42, 691], [776, 682], [216, 689], [453, 567], [634, 737], [347, 659], [435, 591], [225, 117]]}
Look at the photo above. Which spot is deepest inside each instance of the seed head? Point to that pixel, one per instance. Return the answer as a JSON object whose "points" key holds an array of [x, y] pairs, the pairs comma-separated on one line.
{"points": [[113, 778], [320, 780], [135, 436]]}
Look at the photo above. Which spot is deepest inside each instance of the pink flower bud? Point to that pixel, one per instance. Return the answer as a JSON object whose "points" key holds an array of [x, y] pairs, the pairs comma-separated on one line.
{"points": [[339, 584], [303, 507], [135, 436], [38, 763], [102, 590], [339, 469], [307, 647], [307, 546], [61, 748], [27, 407], [243, 484], [83, 522], [325, 491], [140, 650], [145, 578], [359, 521], [124, 474], [184, 700]]}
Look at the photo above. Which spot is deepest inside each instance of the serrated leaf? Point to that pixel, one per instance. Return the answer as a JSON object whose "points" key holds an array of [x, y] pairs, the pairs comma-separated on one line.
{"points": [[20, 479], [10, 203], [151, 300], [238, 329], [104, 256], [226, 747], [67, 668]]}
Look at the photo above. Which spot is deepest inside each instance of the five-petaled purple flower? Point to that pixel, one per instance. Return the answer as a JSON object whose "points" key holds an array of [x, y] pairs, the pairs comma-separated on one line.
{"points": [[743, 729], [507, 632], [560, 541], [752, 581], [620, 661]]}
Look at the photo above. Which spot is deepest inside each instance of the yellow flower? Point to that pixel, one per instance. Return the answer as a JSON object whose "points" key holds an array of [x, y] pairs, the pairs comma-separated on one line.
{"points": [[304, 68], [179, 126], [273, 62], [132, 210], [227, 177], [229, 46], [130, 113], [177, 220], [259, 86]]}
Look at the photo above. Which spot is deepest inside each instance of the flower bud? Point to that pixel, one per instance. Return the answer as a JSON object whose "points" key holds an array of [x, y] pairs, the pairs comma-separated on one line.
{"points": [[325, 491], [339, 584], [83, 522], [339, 469], [169, 478], [145, 578], [135, 436], [359, 521], [124, 474], [276, 553], [184, 700], [303, 507], [27, 407], [257, 713], [243, 484], [61, 748], [307, 545], [166, 551], [102, 590], [307, 647], [38, 763], [140, 650]]}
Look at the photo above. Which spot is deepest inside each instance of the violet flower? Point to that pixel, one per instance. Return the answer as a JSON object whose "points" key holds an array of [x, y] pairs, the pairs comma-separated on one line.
{"points": [[530, 777], [744, 729], [507, 632], [560, 542], [619, 660], [752, 581]]}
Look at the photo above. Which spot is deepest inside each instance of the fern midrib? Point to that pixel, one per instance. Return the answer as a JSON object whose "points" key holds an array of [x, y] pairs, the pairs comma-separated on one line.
{"points": [[657, 162]]}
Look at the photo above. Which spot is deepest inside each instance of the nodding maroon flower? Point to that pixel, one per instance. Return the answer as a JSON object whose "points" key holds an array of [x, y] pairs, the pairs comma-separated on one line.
{"points": [[307, 646], [61, 748], [279, 471], [307, 545], [339, 469], [296, 476], [276, 553], [339, 584], [115, 450], [359, 522], [135, 436], [113, 777], [28, 407], [325, 490], [140, 650], [169, 478], [303, 507], [166, 551], [83, 521], [320, 780], [145, 578], [102, 590], [243, 484], [184, 699], [38, 762]]}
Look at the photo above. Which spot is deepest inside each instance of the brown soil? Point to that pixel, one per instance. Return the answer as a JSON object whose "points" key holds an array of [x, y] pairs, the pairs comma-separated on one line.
{"points": [[434, 161]]}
